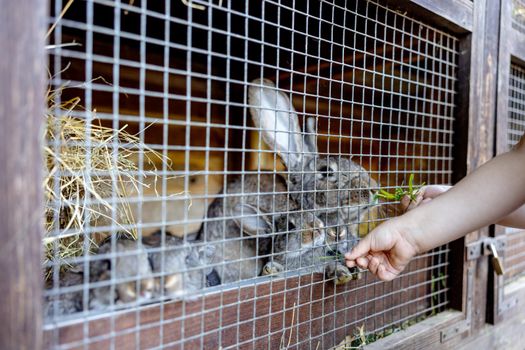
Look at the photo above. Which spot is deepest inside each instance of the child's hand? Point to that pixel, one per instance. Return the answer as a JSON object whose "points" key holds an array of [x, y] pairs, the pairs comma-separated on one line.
{"points": [[424, 195], [385, 251]]}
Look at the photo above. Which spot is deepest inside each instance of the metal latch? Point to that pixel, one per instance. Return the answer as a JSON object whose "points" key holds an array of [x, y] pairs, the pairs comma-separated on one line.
{"points": [[488, 247]]}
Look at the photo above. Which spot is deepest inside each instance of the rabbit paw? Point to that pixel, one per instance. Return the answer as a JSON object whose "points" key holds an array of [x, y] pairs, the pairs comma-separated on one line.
{"points": [[272, 268], [357, 273], [339, 273]]}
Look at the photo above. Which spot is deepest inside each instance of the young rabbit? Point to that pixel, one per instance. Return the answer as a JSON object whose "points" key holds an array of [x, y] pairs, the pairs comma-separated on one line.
{"points": [[184, 265], [69, 302], [132, 271], [298, 238], [126, 267], [234, 228], [335, 186], [289, 252]]}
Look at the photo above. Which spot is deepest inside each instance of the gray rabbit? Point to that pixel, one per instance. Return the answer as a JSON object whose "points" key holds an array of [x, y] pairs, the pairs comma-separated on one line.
{"points": [[298, 239], [132, 271], [336, 187], [290, 253], [236, 229], [68, 302], [185, 265], [130, 263]]}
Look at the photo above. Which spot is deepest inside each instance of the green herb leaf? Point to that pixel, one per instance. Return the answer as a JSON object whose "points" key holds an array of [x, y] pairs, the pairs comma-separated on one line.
{"points": [[400, 192]]}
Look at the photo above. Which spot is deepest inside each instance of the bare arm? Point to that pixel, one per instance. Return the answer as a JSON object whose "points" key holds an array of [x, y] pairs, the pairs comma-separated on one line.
{"points": [[496, 190], [515, 219], [485, 196]]}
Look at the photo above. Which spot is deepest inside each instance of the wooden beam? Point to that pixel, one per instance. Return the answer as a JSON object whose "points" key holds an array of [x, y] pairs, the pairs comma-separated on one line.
{"points": [[22, 77], [506, 38], [424, 334], [481, 140], [517, 49], [455, 15]]}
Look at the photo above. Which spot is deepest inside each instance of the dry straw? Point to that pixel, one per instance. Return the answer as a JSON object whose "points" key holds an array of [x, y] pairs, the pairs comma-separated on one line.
{"points": [[86, 166]]}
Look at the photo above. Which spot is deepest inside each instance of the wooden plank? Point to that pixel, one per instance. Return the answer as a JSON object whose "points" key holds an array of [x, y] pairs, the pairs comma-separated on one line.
{"points": [[514, 256], [506, 33], [508, 333], [22, 74], [458, 12], [517, 49], [481, 129], [505, 47], [421, 335], [454, 15]]}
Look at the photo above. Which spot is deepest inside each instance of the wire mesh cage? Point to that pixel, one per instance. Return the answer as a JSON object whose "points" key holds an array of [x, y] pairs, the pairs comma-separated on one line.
{"points": [[516, 122], [210, 162], [518, 15], [515, 247]]}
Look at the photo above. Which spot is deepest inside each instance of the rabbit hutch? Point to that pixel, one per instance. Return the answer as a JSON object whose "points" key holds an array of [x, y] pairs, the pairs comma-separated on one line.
{"points": [[195, 170]]}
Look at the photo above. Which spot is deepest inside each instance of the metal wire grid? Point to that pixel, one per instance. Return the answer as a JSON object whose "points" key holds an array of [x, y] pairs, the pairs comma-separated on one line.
{"points": [[380, 85], [514, 251], [518, 15], [516, 123]]}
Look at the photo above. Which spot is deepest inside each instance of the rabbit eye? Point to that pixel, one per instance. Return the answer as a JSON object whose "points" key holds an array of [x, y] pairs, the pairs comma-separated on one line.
{"points": [[328, 171]]}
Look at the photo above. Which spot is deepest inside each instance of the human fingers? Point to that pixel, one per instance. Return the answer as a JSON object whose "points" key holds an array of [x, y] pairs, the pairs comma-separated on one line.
{"points": [[385, 274], [362, 262], [373, 263], [405, 202], [432, 191], [360, 250], [414, 203]]}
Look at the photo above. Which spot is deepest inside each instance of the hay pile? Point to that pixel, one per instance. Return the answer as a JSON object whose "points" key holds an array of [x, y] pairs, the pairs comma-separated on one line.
{"points": [[85, 166]]}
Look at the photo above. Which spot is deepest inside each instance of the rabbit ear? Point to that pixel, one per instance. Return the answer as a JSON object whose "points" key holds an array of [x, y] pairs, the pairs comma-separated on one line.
{"points": [[273, 113], [309, 139], [250, 220]]}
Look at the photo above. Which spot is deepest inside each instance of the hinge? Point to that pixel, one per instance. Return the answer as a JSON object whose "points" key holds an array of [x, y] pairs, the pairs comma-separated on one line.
{"points": [[481, 247]]}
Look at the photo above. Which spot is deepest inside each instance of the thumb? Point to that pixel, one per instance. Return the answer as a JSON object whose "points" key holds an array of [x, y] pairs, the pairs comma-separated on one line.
{"points": [[361, 249]]}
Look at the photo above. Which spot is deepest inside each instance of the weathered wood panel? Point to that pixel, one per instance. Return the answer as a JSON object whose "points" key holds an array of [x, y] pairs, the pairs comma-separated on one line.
{"points": [[506, 334], [509, 41], [22, 73], [455, 15], [481, 140]]}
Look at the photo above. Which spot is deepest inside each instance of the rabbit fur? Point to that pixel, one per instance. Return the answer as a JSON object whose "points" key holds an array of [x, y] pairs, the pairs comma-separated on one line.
{"points": [[131, 264], [235, 228], [335, 187], [184, 264]]}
